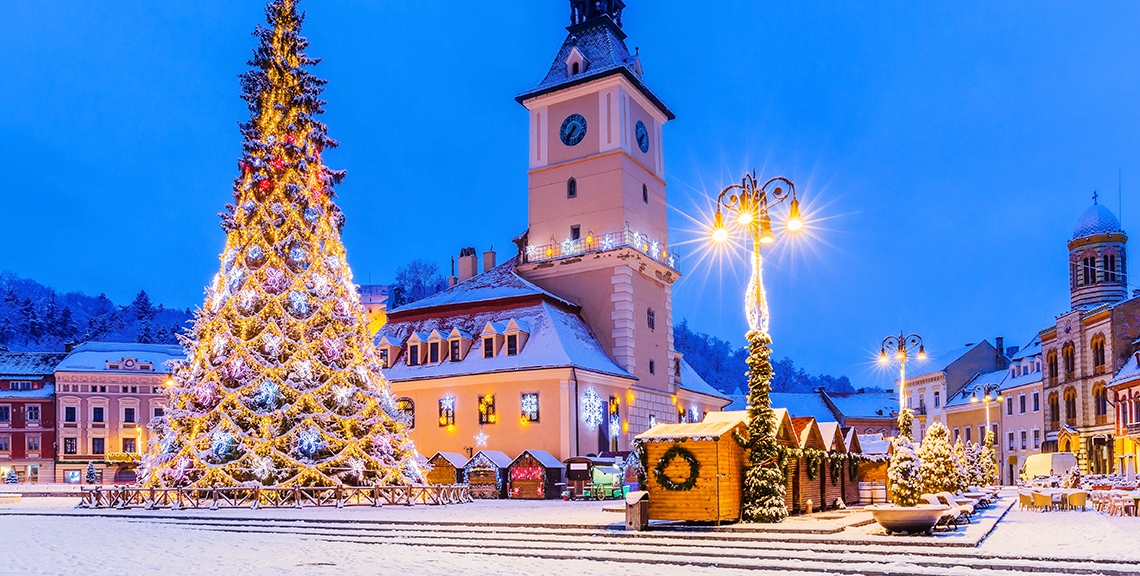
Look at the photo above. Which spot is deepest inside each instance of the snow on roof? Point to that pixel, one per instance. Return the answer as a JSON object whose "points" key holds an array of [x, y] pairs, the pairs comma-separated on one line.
{"points": [[39, 364], [831, 435], [942, 361], [706, 430], [545, 458], [977, 387], [1029, 350], [558, 339], [804, 404], [47, 391], [1019, 381], [495, 457], [454, 458], [94, 356], [874, 444], [865, 404], [851, 438], [693, 382], [498, 283], [803, 427], [1130, 371]]}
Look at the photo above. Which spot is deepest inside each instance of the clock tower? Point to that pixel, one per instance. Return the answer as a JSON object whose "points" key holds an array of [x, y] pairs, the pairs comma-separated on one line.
{"points": [[598, 233]]}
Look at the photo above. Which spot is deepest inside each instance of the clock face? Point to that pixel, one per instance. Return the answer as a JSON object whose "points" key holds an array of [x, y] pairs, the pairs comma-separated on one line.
{"points": [[642, 136], [573, 129]]}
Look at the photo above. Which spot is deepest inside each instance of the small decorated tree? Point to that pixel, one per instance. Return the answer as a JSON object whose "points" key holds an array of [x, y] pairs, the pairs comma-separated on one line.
{"points": [[960, 461], [988, 471], [973, 464], [91, 475], [764, 487], [939, 470], [905, 470], [11, 477]]}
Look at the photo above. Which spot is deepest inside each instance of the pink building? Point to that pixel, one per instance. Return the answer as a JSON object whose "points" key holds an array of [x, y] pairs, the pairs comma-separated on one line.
{"points": [[27, 416]]}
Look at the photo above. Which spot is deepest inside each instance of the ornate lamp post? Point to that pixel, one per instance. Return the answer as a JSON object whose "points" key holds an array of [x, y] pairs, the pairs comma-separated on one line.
{"points": [[990, 394], [900, 347], [749, 203]]}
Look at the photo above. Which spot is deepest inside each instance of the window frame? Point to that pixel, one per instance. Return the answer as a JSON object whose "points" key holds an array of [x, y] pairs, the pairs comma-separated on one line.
{"points": [[487, 415], [70, 445], [488, 347], [571, 189], [525, 416], [101, 442], [512, 344]]}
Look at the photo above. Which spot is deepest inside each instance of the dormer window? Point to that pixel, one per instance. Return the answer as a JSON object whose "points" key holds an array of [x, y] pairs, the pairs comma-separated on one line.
{"points": [[575, 63], [455, 351], [384, 358], [433, 352], [489, 347], [414, 355], [574, 69], [512, 344]]}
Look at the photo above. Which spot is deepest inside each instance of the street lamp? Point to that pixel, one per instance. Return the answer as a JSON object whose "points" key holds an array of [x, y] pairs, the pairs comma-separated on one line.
{"points": [[900, 347], [996, 397], [750, 203]]}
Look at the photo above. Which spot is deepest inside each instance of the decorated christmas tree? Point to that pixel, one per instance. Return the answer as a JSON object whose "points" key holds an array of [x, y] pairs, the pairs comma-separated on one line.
{"points": [[91, 475], [904, 473], [988, 471], [764, 486], [11, 477], [960, 464], [939, 467], [973, 464], [281, 385]]}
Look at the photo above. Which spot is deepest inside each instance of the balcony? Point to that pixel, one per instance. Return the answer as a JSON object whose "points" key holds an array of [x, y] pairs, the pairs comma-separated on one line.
{"points": [[594, 243], [1101, 419], [1132, 429]]}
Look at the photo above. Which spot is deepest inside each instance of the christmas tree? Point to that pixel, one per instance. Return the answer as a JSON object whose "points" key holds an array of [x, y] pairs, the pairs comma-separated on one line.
{"points": [[960, 462], [973, 464], [91, 475], [281, 385], [764, 487], [904, 473], [987, 474], [11, 477], [939, 467]]}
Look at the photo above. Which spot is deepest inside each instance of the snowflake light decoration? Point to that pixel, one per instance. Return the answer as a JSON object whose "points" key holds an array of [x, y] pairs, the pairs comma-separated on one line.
{"points": [[299, 303], [615, 426], [567, 246], [607, 242], [448, 402], [531, 251], [655, 249], [694, 413], [592, 409], [481, 438], [221, 443], [530, 406], [309, 442], [262, 467]]}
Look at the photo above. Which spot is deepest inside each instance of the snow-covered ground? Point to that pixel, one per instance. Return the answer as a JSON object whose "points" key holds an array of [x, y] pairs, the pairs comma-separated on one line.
{"points": [[1074, 534]]}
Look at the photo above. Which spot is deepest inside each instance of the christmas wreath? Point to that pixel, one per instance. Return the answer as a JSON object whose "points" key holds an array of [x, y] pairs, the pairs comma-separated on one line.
{"points": [[814, 458], [836, 468], [853, 470], [664, 480]]}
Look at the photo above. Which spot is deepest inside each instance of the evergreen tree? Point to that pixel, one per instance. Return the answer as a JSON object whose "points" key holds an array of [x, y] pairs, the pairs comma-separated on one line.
{"points": [[764, 486], [987, 461], [91, 475], [939, 467], [904, 473], [281, 386], [973, 464], [141, 308], [960, 464], [11, 477]]}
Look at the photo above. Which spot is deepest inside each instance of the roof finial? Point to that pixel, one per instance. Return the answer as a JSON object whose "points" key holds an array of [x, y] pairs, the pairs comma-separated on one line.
{"points": [[1094, 196]]}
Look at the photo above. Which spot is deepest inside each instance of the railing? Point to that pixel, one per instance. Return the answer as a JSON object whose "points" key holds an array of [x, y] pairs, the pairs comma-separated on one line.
{"points": [[123, 497], [1100, 419], [1053, 425], [1132, 429], [639, 241]]}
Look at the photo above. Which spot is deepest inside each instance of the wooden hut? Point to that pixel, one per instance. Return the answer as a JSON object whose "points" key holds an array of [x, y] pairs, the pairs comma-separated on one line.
{"points": [[446, 468], [486, 474], [535, 475], [850, 467], [831, 472], [806, 481], [785, 437], [703, 466]]}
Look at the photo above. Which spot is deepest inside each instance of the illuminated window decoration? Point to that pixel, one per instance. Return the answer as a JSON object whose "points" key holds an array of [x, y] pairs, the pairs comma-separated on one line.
{"points": [[447, 411], [614, 413], [652, 420], [481, 438], [529, 401], [592, 408], [487, 409], [694, 413], [309, 442], [615, 427], [222, 443]]}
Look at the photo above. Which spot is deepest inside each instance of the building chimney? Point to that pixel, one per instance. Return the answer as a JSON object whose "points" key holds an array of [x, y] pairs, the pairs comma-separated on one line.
{"points": [[468, 263], [489, 259], [452, 280], [1000, 361]]}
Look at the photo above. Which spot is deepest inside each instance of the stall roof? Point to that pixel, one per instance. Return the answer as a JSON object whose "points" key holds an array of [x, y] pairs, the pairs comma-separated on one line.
{"points": [[831, 435], [454, 458], [496, 457], [713, 429], [545, 458]]}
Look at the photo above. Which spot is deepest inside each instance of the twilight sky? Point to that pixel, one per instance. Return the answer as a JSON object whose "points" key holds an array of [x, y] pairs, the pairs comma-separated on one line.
{"points": [[945, 149]]}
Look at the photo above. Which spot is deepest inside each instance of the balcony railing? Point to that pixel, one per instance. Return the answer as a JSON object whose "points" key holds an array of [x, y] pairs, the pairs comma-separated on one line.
{"points": [[591, 243], [1132, 429]]}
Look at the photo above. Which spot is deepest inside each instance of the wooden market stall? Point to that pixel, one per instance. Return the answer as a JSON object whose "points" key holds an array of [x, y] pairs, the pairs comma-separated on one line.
{"points": [[486, 474], [446, 468], [831, 471], [534, 475], [785, 437], [806, 481], [695, 471], [851, 466]]}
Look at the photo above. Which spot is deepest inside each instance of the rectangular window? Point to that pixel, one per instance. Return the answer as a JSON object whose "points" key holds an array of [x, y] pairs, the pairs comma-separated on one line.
{"points": [[488, 347], [575, 232], [1021, 404], [433, 352], [129, 415], [1011, 441], [159, 412], [957, 434], [447, 411], [529, 402], [968, 434], [69, 414], [937, 399], [384, 358], [1024, 440], [73, 476], [5, 444], [70, 445], [455, 350], [33, 412], [19, 385], [651, 319], [652, 367], [487, 409], [413, 355], [1036, 401], [33, 443], [128, 444], [512, 344], [1009, 408], [1036, 438], [5, 413], [97, 414], [97, 445]]}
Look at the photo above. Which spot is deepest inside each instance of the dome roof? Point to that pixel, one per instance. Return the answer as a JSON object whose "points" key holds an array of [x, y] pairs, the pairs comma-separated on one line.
{"points": [[1096, 220]]}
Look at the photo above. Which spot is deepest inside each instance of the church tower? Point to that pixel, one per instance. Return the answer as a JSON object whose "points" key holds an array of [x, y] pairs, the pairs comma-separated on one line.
{"points": [[1097, 259], [598, 233]]}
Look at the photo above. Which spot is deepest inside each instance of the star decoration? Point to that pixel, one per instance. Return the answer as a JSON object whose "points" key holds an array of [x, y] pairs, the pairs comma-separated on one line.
{"points": [[481, 438]]}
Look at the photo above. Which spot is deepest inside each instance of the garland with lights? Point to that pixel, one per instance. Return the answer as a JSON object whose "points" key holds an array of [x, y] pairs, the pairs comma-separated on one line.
{"points": [[677, 451], [765, 474], [281, 385]]}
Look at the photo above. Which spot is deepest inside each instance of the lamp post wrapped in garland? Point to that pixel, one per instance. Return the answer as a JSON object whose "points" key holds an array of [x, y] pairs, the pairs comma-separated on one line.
{"points": [[905, 469], [749, 202]]}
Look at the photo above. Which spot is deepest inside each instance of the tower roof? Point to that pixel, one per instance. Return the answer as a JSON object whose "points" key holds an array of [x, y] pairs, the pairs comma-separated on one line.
{"points": [[1096, 220]]}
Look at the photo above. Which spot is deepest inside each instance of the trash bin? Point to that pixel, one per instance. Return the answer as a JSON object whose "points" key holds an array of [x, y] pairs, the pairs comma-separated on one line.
{"points": [[637, 510]]}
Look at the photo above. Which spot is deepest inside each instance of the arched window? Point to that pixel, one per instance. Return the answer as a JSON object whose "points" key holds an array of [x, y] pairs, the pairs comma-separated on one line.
{"points": [[1054, 409], [1051, 360], [571, 188], [408, 408], [1069, 357], [1100, 402], [1098, 354], [1070, 406], [645, 193], [574, 69], [1109, 266]]}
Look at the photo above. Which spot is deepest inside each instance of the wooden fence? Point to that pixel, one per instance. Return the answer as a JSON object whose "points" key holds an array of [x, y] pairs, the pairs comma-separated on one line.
{"points": [[123, 497]]}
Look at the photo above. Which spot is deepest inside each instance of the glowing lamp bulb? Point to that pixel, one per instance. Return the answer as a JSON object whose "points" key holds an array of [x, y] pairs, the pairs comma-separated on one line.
{"points": [[766, 236], [883, 356], [745, 218], [795, 221], [973, 399], [921, 353], [720, 234]]}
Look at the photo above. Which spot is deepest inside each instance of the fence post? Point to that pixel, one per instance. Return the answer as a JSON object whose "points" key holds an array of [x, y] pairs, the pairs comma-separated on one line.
{"points": [[256, 498], [339, 496], [214, 495], [376, 496], [296, 497], [150, 500]]}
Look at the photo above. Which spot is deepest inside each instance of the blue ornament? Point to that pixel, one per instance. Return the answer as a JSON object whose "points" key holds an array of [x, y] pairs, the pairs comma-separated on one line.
{"points": [[311, 215]]}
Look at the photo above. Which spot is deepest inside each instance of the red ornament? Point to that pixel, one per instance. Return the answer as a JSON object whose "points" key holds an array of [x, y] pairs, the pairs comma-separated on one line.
{"points": [[290, 139], [264, 185], [278, 164]]}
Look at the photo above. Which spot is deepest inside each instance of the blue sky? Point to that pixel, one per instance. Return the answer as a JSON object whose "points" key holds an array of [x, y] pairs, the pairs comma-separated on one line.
{"points": [[945, 148]]}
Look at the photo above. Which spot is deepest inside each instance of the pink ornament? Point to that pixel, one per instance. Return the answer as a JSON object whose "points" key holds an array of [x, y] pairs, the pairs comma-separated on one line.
{"points": [[333, 348], [274, 281]]}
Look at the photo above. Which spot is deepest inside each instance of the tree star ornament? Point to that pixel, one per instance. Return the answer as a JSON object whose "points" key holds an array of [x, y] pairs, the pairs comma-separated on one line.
{"points": [[481, 438]]}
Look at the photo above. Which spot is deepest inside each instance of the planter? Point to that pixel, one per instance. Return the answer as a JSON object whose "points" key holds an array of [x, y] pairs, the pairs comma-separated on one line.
{"points": [[919, 519]]}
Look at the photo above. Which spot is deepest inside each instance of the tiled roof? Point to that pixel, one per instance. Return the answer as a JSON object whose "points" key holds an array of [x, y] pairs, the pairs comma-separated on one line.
{"points": [[16, 364], [1029, 350], [865, 404], [498, 283], [47, 391], [693, 382], [977, 387], [93, 356], [1096, 220], [1130, 371], [804, 404]]}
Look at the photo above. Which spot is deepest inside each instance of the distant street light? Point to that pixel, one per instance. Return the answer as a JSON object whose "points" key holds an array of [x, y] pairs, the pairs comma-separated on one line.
{"points": [[900, 347]]}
